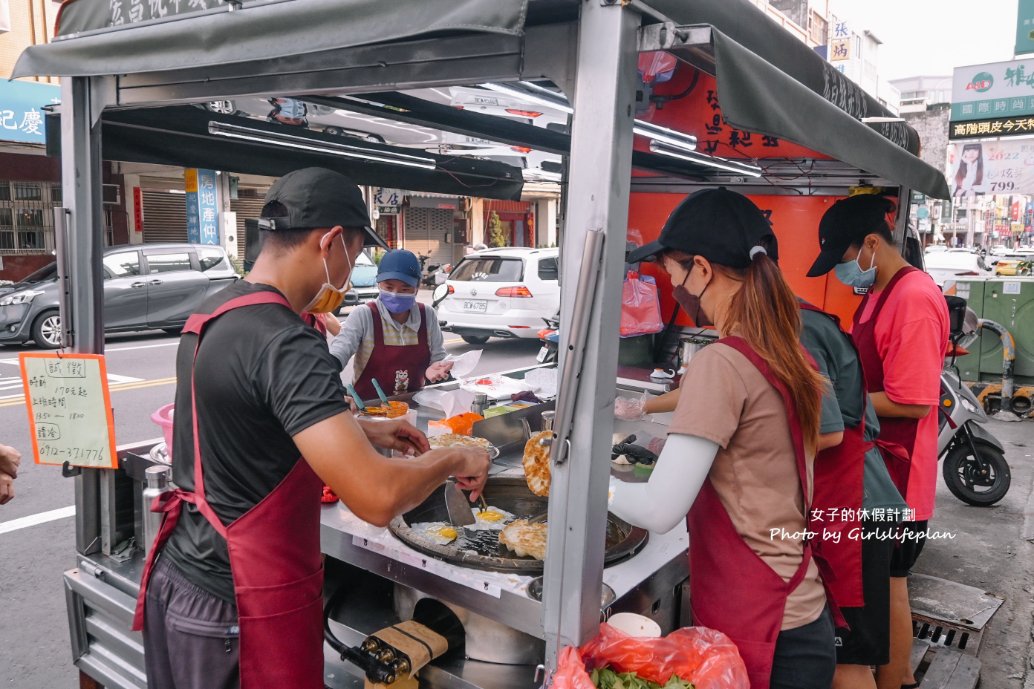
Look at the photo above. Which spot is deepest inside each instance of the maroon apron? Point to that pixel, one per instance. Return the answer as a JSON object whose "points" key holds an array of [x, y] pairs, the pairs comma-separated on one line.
{"points": [[839, 485], [398, 368], [731, 588], [274, 553], [894, 431]]}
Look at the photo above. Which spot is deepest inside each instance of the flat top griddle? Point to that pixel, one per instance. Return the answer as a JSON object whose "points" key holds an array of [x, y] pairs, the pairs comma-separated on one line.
{"points": [[481, 549]]}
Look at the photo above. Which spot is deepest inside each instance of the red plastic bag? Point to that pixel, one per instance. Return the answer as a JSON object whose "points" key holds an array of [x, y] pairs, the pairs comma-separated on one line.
{"points": [[640, 306], [703, 656]]}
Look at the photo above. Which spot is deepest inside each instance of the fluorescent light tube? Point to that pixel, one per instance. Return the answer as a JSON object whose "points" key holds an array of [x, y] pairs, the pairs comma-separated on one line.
{"points": [[233, 131], [709, 161], [539, 95]]}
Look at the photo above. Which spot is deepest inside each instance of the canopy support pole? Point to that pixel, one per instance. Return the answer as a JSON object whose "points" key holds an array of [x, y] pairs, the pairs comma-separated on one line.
{"points": [[80, 250], [600, 177]]}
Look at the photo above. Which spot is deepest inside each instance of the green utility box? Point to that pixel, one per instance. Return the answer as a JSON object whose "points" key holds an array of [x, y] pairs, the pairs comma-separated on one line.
{"points": [[1010, 302]]}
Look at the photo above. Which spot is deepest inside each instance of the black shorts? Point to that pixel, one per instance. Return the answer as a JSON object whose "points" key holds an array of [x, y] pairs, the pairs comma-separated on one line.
{"points": [[804, 657], [910, 545], [867, 641]]}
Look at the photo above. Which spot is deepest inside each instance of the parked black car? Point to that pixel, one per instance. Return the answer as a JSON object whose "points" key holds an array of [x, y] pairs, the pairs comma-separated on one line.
{"points": [[146, 286]]}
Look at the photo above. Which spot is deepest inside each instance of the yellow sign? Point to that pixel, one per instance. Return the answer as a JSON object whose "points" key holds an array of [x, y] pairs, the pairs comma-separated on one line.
{"points": [[69, 409], [839, 49], [190, 180]]}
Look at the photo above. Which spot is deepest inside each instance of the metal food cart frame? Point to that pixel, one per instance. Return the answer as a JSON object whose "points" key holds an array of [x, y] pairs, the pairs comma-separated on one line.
{"points": [[588, 48]]}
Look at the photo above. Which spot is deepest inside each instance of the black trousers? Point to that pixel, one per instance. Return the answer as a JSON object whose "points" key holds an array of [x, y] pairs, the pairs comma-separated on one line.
{"points": [[190, 635], [805, 657]]}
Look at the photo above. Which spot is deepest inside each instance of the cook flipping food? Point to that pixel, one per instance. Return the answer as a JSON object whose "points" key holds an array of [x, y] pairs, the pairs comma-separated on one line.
{"points": [[740, 451], [232, 592]]}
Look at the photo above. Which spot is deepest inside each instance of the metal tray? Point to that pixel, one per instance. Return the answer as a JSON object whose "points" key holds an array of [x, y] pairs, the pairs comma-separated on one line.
{"points": [[481, 549]]}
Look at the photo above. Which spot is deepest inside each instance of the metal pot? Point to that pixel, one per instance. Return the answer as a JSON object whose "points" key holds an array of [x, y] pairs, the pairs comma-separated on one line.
{"points": [[487, 640]]}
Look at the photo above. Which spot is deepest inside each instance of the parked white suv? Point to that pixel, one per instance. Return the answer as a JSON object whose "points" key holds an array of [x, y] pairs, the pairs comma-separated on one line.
{"points": [[501, 293]]}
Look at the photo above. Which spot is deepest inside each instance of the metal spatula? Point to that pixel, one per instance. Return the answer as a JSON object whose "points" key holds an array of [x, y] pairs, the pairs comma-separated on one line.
{"points": [[457, 505]]}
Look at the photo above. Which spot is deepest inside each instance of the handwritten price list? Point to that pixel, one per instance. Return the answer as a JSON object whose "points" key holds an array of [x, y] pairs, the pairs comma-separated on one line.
{"points": [[69, 409]]}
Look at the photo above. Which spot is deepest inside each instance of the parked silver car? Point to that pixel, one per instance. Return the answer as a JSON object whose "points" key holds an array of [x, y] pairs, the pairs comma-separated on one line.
{"points": [[146, 287]]}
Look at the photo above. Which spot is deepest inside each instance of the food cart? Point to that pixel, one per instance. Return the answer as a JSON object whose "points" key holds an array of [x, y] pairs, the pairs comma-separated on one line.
{"points": [[747, 106]]}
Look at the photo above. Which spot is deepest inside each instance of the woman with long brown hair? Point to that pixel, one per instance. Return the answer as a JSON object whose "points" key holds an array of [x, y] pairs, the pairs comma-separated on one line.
{"points": [[738, 462]]}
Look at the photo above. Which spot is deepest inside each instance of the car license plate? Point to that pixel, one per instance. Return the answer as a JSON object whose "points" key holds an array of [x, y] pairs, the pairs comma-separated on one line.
{"points": [[543, 353], [475, 305]]}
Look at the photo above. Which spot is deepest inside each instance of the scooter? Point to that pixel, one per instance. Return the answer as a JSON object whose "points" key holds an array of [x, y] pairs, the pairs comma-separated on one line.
{"points": [[974, 469], [427, 272], [549, 353]]}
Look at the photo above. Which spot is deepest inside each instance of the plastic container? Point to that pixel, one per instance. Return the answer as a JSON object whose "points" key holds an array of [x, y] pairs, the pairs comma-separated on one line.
{"points": [[163, 417]]}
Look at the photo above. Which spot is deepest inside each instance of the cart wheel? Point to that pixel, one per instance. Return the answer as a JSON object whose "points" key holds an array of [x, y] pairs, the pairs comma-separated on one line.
{"points": [[475, 339], [968, 482]]}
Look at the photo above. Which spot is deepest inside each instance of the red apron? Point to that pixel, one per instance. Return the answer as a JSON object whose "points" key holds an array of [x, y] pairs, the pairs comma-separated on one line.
{"points": [[893, 430], [731, 588], [274, 553], [398, 368], [839, 479]]}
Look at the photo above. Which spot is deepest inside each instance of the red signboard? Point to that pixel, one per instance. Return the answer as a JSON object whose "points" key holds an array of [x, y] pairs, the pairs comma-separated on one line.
{"points": [[138, 209]]}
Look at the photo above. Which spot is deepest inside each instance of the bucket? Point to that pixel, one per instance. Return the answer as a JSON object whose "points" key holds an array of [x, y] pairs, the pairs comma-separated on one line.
{"points": [[163, 417]]}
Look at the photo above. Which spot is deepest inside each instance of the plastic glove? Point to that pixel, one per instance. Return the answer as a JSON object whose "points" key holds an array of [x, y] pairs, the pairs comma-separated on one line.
{"points": [[656, 445], [438, 371], [630, 408]]}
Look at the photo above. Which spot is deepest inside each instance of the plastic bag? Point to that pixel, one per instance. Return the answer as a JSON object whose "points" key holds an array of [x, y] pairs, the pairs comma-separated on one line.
{"points": [[703, 656], [464, 364], [640, 306]]}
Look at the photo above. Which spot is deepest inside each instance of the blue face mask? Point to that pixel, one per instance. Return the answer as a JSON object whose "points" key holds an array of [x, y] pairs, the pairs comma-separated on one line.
{"points": [[397, 303], [851, 274]]}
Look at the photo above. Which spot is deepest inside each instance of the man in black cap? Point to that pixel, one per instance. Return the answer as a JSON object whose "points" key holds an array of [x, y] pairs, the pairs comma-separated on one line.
{"points": [[261, 424], [901, 333]]}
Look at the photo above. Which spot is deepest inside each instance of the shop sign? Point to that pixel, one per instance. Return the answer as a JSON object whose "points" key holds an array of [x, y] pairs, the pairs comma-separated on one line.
{"points": [[1025, 27], [992, 127], [387, 201], [991, 167], [999, 90], [138, 209], [202, 206], [21, 110]]}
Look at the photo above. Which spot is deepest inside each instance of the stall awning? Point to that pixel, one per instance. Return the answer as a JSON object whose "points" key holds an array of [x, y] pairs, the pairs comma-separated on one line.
{"points": [[182, 135], [756, 96], [106, 37]]}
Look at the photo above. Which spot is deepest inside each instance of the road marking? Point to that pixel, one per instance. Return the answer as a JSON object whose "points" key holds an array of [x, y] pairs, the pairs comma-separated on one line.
{"points": [[36, 519], [18, 400], [152, 346]]}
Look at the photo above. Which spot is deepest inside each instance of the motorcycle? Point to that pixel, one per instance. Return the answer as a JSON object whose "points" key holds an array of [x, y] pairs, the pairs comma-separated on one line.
{"points": [[428, 273], [549, 353], [974, 469]]}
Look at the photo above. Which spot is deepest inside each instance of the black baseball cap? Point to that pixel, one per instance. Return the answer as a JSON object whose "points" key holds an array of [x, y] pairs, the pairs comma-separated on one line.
{"points": [[845, 224], [315, 197], [718, 224]]}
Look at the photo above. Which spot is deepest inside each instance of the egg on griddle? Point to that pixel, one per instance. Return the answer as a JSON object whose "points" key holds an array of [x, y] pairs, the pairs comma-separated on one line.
{"points": [[491, 519], [439, 533]]}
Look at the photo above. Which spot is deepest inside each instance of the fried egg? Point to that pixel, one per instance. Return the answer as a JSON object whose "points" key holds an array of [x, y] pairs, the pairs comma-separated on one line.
{"points": [[491, 519], [439, 533]]}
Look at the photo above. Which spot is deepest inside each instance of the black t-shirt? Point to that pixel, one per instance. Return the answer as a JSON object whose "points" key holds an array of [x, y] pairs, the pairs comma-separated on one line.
{"points": [[262, 376]]}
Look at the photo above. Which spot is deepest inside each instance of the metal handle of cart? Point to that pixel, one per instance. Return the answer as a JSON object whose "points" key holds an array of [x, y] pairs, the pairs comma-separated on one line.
{"points": [[574, 357]]}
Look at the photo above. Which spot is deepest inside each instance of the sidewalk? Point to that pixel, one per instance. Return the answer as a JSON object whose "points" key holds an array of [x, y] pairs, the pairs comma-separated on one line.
{"points": [[994, 551]]}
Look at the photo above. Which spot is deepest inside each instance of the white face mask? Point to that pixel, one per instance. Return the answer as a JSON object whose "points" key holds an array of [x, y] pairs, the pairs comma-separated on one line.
{"points": [[329, 297]]}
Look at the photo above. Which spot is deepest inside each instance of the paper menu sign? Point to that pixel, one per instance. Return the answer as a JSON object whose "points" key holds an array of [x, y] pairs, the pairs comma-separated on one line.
{"points": [[69, 408]]}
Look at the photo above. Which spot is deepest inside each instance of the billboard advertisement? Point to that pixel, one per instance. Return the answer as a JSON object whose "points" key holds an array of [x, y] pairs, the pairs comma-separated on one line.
{"points": [[996, 90], [997, 167], [1025, 27]]}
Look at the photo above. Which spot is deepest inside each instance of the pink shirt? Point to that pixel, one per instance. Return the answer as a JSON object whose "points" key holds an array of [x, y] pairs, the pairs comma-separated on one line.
{"points": [[912, 337]]}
